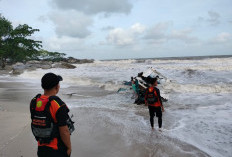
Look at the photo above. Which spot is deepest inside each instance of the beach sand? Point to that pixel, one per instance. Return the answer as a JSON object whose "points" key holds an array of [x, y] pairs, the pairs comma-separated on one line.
{"points": [[15, 135], [95, 135]]}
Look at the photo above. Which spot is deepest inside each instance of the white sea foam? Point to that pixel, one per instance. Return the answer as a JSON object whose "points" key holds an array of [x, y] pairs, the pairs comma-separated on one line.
{"points": [[199, 91], [198, 88], [216, 64], [206, 76], [207, 128]]}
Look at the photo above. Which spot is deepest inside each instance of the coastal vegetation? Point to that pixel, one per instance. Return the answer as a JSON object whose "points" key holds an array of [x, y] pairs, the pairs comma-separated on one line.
{"points": [[15, 43], [18, 45]]}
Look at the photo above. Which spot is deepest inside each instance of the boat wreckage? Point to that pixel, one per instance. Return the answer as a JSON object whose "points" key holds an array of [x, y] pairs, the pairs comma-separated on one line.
{"points": [[141, 82]]}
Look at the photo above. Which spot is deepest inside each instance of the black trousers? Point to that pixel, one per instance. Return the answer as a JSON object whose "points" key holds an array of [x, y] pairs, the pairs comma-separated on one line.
{"points": [[155, 111], [49, 152]]}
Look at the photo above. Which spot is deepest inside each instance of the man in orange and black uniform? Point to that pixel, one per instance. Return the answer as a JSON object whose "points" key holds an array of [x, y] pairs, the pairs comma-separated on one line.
{"points": [[59, 145], [154, 102]]}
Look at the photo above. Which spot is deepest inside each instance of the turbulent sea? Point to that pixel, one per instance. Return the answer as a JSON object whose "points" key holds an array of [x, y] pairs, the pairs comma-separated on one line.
{"points": [[198, 111]]}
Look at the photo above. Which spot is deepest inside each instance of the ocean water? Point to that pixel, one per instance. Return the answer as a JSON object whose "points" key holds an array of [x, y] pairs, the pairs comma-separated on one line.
{"points": [[198, 111]]}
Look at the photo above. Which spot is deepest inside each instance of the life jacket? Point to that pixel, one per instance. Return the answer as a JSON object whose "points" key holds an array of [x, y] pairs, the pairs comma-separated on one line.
{"points": [[152, 97], [42, 124]]}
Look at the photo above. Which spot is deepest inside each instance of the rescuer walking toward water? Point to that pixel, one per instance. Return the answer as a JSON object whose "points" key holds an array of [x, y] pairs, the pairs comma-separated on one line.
{"points": [[50, 122], [154, 102]]}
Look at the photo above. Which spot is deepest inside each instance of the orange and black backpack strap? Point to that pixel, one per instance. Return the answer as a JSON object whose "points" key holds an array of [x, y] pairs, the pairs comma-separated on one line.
{"points": [[33, 103], [58, 101]]}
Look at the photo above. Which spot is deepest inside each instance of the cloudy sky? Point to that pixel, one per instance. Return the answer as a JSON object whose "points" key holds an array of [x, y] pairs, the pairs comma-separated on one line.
{"points": [[115, 29]]}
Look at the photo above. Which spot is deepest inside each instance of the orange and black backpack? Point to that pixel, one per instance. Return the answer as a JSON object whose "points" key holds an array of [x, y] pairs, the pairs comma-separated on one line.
{"points": [[42, 124], [151, 96]]}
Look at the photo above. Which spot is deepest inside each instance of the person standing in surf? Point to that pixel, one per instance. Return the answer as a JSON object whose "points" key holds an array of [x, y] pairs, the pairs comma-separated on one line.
{"points": [[154, 102]]}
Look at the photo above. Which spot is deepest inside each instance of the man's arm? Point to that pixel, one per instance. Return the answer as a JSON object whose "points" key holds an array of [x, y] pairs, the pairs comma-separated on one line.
{"points": [[145, 97], [158, 93], [62, 117], [65, 137], [160, 99]]}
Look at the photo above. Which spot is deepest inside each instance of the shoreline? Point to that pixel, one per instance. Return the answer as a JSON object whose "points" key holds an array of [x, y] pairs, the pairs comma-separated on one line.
{"points": [[14, 69], [174, 58], [108, 124], [96, 133], [16, 138]]}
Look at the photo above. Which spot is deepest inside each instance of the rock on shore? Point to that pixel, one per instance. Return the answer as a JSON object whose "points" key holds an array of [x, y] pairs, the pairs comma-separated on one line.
{"points": [[72, 60], [64, 66], [19, 67]]}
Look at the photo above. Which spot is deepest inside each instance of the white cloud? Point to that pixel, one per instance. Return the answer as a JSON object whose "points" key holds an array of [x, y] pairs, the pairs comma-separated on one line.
{"points": [[157, 33], [63, 44], [124, 37], [138, 28], [95, 6], [183, 35], [71, 23], [120, 37], [222, 37]]}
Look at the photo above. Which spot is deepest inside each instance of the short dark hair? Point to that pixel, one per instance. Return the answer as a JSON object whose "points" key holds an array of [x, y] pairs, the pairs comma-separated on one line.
{"points": [[50, 80], [153, 80]]}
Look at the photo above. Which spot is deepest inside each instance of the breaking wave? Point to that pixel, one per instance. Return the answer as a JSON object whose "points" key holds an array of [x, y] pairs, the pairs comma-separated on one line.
{"points": [[216, 64], [73, 80], [198, 88]]}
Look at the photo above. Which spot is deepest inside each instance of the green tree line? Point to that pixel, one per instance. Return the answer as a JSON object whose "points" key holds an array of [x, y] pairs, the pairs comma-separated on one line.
{"points": [[16, 44]]}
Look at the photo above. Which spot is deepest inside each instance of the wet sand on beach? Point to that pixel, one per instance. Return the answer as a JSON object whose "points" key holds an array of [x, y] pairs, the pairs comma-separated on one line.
{"points": [[96, 134]]}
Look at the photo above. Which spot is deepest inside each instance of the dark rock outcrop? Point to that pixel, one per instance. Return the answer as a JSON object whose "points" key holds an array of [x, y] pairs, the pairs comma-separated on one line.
{"points": [[31, 65], [78, 61], [19, 67], [64, 65]]}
